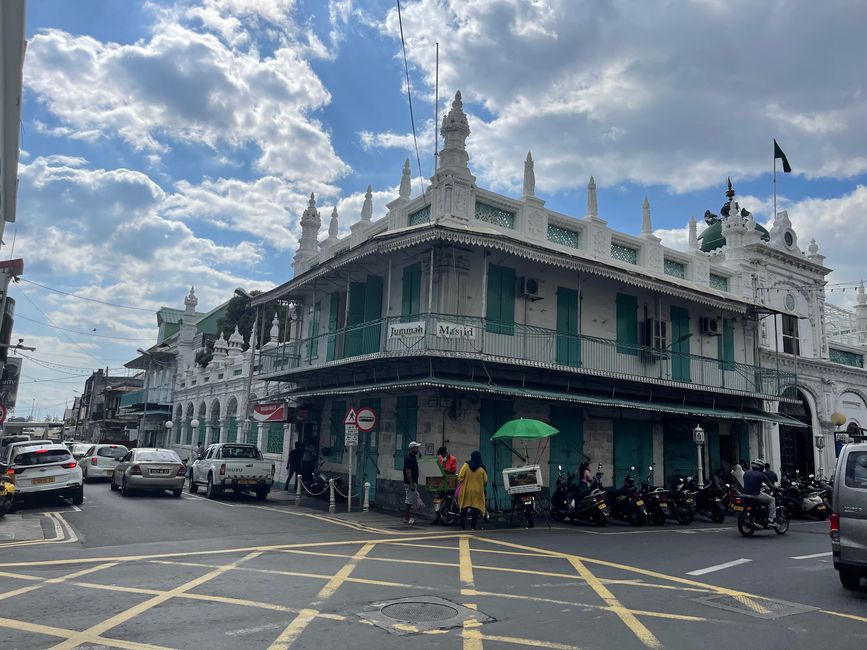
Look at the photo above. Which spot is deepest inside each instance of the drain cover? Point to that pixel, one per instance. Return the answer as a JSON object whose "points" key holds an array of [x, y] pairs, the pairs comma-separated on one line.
{"points": [[419, 612], [758, 607]]}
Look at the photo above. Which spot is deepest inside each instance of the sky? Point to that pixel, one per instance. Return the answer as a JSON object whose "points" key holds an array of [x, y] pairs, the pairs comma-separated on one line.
{"points": [[172, 143]]}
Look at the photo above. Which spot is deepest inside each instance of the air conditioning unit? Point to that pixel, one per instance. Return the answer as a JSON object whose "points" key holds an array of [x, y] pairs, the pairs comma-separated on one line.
{"points": [[528, 288], [710, 326]]}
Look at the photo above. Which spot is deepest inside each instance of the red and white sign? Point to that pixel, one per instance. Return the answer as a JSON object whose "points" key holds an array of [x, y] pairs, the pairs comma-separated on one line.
{"points": [[365, 419], [351, 417], [3, 413], [275, 412]]}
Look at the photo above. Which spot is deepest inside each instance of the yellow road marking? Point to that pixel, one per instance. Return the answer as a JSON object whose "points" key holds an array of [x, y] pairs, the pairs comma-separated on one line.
{"points": [[372, 559], [470, 634], [852, 616], [135, 610], [56, 581], [341, 576], [294, 630], [533, 643], [65, 634]]}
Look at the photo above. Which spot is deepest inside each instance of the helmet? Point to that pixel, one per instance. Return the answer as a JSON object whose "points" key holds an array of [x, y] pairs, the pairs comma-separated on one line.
{"points": [[758, 463]]}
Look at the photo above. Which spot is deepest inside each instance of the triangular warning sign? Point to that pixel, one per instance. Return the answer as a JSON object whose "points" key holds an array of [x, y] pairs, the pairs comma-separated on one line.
{"points": [[351, 416]]}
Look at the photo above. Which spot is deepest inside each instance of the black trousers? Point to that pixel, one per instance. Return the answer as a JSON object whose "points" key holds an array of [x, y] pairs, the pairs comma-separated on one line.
{"points": [[293, 471], [474, 517]]}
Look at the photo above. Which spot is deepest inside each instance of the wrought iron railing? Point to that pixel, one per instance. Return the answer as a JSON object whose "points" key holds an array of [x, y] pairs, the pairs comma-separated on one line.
{"points": [[526, 345]]}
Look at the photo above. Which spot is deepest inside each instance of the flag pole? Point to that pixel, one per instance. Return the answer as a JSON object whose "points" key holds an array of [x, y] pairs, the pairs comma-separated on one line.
{"points": [[775, 184]]}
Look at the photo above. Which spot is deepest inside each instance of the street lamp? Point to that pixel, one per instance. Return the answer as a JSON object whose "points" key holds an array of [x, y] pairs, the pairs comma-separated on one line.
{"points": [[820, 445], [144, 412], [698, 438], [169, 424]]}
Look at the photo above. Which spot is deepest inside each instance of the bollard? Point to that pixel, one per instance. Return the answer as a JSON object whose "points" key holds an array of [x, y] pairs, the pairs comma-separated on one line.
{"points": [[365, 505], [332, 507], [297, 490]]}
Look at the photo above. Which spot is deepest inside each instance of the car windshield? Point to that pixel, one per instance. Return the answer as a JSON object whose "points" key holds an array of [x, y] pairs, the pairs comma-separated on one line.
{"points": [[157, 455], [114, 451], [80, 449], [240, 451], [42, 457]]}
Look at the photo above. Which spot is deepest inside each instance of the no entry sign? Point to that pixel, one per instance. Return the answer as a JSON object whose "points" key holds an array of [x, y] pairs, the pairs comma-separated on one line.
{"points": [[365, 420]]}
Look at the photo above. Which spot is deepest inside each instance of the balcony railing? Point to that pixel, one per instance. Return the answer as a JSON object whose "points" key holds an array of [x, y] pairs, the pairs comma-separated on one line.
{"points": [[156, 395], [525, 345]]}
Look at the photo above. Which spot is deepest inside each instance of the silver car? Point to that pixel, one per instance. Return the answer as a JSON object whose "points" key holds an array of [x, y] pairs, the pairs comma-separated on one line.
{"points": [[149, 468], [849, 518]]}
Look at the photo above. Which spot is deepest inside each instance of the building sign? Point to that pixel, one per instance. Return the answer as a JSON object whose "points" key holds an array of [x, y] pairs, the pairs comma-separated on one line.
{"points": [[406, 330], [9, 382], [275, 412], [455, 331]]}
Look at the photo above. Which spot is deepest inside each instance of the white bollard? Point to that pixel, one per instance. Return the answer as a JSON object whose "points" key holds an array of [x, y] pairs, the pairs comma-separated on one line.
{"points": [[297, 490], [332, 506], [365, 505]]}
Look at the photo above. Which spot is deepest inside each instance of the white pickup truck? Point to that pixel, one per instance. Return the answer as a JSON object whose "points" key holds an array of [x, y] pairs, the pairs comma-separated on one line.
{"points": [[232, 465]]}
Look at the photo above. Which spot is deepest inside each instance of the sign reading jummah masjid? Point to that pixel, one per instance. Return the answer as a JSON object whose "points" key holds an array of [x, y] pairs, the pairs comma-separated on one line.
{"points": [[444, 330]]}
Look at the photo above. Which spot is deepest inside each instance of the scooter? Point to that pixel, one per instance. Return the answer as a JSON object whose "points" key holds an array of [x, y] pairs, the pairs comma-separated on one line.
{"points": [[707, 501], [7, 495], [589, 507], [625, 503], [753, 516]]}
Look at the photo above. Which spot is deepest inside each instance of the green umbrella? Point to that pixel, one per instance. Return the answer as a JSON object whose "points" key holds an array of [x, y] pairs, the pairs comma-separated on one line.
{"points": [[524, 428]]}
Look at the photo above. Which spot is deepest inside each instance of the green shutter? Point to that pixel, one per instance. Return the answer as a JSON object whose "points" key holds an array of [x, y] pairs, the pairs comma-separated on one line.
{"points": [[406, 423], [726, 346], [568, 343], [333, 319], [411, 302], [627, 324], [372, 314], [500, 310], [338, 412], [680, 359], [354, 319], [313, 347]]}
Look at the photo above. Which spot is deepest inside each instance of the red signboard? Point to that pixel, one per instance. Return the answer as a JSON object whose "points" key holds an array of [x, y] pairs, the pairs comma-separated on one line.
{"points": [[275, 412]]}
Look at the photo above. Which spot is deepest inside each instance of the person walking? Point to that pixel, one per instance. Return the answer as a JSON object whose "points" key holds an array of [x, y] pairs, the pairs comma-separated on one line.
{"points": [[471, 499], [410, 480], [294, 464], [308, 462]]}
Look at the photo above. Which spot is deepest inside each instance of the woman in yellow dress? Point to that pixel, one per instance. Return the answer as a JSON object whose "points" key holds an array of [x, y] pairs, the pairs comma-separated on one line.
{"points": [[471, 496]]}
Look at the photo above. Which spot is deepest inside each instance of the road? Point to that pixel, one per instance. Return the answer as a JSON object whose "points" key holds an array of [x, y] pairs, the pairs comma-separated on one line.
{"points": [[152, 571]]}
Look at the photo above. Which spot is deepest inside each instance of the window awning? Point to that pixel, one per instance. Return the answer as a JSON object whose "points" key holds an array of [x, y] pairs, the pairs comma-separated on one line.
{"points": [[753, 415]]}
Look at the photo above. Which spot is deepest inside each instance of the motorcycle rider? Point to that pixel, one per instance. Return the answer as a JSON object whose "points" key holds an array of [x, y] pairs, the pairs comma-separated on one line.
{"points": [[754, 478], [771, 474]]}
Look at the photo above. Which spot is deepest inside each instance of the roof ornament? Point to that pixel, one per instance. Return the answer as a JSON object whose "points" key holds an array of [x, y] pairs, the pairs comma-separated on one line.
{"points": [[274, 334], [333, 226], [592, 208], [455, 131], [367, 207], [646, 226], [191, 301], [405, 181], [529, 176], [693, 237]]}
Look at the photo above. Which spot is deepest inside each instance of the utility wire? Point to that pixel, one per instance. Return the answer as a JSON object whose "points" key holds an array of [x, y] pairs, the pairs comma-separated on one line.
{"points": [[75, 295], [64, 329]]}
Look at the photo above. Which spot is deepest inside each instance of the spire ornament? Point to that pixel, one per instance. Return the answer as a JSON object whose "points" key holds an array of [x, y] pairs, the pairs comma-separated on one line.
{"points": [[333, 226], [646, 226], [367, 207], [405, 181], [592, 209], [529, 176], [693, 234], [455, 131]]}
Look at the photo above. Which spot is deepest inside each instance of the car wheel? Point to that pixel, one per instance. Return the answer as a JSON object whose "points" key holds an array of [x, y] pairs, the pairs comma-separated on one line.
{"points": [[194, 487], [124, 490], [850, 579], [112, 484], [177, 493], [84, 474], [212, 490], [262, 494], [78, 497]]}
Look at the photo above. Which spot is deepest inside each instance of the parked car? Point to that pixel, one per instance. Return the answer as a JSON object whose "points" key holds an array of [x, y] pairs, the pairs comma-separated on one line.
{"points": [[149, 468], [5, 441], [11, 449], [232, 465], [41, 468], [849, 516], [100, 460], [79, 449]]}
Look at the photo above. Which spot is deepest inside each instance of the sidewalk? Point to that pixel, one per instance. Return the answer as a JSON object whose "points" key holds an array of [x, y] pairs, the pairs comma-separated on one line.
{"points": [[24, 527]]}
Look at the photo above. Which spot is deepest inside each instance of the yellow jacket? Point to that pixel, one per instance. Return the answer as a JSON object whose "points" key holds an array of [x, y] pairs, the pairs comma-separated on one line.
{"points": [[472, 492]]}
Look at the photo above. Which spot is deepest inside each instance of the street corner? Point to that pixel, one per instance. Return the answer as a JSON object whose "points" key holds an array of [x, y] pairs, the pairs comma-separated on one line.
{"points": [[29, 528]]}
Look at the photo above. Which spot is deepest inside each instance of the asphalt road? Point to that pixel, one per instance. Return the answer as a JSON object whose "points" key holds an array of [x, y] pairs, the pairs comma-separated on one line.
{"points": [[152, 571]]}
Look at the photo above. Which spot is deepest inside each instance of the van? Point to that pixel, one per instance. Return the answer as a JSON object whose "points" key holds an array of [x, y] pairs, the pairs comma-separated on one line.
{"points": [[849, 516]]}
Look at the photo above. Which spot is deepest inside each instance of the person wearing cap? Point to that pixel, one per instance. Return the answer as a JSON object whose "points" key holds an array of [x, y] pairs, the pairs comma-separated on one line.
{"points": [[754, 479], [410, 479]]}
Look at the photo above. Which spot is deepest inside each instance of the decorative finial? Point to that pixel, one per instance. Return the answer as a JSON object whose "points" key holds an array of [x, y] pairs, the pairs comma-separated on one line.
{"points": [[529, 176], [693, 234], [860, 296], [646, 227], [455, 130], [274, 334], [191, 301], [813, 247], [312, 202], [333, 225], [367, 207], [592, 210], [730, 192], [405, 181]]}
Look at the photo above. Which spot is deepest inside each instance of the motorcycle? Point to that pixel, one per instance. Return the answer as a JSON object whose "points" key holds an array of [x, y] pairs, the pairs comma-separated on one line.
{"points": [[753, 516], [801, 500], [707, 501], [589, 507], [317, 483], [7, 495], [625, 503]]}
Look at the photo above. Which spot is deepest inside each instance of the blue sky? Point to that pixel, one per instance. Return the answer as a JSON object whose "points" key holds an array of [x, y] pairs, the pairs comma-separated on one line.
{"points": [[175, 142]]}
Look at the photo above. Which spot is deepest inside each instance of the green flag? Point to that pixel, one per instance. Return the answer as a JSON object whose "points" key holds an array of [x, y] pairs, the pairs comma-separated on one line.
{"points": [[778, 153]]}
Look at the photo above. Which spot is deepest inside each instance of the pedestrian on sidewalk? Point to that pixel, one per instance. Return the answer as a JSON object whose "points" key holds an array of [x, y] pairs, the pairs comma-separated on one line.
{"points": [[471, 499], [308, 462], [294, 464], [410, 480]]}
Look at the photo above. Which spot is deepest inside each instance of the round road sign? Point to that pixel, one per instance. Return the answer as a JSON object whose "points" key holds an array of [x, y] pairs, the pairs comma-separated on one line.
{"points": [[366, 419]]}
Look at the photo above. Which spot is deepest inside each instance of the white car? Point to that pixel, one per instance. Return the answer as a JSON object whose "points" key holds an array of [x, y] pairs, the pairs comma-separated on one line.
{"points": [[11, 449], [79, 449], [44, 469], [100, 460]]}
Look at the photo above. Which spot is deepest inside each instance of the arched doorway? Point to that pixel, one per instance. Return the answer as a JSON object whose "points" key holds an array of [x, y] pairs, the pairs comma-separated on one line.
{"points": [[796, 443]]}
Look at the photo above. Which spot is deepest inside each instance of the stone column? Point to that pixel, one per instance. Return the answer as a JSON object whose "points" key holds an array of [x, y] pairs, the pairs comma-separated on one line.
{"points": [[262, 435], [224, 429], [207, 433]]}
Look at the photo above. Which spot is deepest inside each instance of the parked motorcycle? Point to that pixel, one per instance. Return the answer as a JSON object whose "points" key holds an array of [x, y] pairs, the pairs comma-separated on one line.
{"points": [[625, 503], [7, 495], [656, 501], [753, 516], [801, 500], [589, 506], [707, 501], [317, 483]]}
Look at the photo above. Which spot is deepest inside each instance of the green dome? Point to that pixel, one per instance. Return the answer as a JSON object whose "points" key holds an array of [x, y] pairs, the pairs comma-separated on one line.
{"points": [[712, 237]]}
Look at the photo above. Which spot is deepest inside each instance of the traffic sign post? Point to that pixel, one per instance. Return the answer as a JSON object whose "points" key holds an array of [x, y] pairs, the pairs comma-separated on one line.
{"points": [[350, 439]]}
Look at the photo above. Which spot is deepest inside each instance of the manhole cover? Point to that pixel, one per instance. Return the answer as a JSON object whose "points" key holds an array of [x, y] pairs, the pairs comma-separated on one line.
{"points": [[419, 612], [758, 607]]}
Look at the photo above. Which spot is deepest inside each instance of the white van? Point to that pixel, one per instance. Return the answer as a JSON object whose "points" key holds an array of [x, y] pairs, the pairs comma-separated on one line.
{"points": [[849, 516]]}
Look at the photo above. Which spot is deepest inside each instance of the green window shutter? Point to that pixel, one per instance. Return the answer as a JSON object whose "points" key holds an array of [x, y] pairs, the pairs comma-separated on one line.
{"points": [[313, 348], [627, 324], [333, 319], [500, 310], [405, 427], [338, 411], [411, 303], [354, 319], [680, 359], [568, 343], [726, 345], [372, 314]]}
